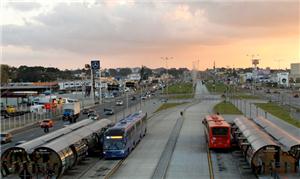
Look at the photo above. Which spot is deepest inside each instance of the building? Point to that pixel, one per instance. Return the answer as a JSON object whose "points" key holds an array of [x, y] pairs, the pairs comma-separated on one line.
{"points": [[294, 77], [282, 79], [134, 77]]}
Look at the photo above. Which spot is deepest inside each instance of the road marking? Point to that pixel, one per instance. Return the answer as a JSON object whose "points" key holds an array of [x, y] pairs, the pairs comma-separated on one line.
{"points": [[210, 166]]}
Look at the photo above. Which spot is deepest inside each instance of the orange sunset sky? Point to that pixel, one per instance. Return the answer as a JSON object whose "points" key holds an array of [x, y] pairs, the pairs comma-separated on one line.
{"points": [[68, 34]]}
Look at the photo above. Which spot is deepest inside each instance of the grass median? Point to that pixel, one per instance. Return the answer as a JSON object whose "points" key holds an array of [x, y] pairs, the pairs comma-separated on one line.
{"points": [[279, 112], [226, 108], [168, 105], [218, 87], [180, 88], [181, 96]]}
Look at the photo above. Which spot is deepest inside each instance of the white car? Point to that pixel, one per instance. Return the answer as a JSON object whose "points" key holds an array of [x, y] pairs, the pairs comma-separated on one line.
{"points": [[94, 117], [119, 103]]}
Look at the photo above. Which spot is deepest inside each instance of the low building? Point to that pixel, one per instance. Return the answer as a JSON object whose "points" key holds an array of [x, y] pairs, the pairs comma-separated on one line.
{"points": [[134, 77], [294, 77], [283, 79]]}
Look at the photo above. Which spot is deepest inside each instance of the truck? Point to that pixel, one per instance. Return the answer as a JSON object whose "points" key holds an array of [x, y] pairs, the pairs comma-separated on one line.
{"points": [[71, 111]]}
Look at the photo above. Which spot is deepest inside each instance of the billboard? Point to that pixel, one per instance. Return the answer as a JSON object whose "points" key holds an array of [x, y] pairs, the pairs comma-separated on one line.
{"points": [[95, 64]]}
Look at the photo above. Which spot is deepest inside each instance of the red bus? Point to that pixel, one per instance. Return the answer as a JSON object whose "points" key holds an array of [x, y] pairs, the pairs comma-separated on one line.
{"points": [[217, 132]]}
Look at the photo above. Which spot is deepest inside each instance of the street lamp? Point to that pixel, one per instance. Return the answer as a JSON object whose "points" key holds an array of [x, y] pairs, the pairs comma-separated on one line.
{"points": [[255, 62], [167, 59]]}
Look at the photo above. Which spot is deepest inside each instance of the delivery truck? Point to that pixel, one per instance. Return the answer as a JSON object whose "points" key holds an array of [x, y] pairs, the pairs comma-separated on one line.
{"points": [[71, 111]]}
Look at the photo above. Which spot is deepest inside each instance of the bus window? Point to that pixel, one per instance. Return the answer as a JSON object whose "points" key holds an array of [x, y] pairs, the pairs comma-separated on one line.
{"points": [[219, 131]]}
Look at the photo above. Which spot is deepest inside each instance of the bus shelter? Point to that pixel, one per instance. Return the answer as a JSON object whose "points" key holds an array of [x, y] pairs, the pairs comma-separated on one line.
{"points": [[291, 144], [65, 152], [14, 158], [260, 150]]}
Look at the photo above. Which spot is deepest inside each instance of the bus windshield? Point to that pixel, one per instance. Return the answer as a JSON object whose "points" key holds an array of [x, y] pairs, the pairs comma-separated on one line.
{"points": [[114, 132], [220, 131], [113, 144]]}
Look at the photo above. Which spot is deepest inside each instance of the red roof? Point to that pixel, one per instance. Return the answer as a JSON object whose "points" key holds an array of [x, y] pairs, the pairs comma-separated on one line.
{"points": [[216, 121]]}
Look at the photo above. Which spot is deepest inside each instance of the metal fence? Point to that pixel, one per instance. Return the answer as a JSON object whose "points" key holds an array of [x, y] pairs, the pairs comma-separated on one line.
{"points": [[29, 118]]}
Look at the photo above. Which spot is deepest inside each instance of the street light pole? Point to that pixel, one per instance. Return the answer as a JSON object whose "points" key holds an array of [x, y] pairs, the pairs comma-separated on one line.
{"points": [[100, 93], [167, 59]]}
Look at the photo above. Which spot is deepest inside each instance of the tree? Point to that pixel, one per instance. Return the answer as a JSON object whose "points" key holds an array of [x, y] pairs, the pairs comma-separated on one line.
{"points": [[125, 72], [145, 73], [112, 72], [4, 73]]}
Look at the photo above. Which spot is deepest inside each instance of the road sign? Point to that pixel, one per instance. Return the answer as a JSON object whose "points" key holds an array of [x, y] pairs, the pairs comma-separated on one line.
{"points": [[95, 64]]}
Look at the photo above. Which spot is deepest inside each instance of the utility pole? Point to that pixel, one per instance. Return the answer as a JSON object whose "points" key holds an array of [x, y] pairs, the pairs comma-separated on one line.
{"points": [[92, 85], [100, 93]]}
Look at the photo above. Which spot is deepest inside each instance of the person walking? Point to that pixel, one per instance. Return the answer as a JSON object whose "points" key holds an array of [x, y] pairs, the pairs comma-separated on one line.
{"points": [[25, 174]]}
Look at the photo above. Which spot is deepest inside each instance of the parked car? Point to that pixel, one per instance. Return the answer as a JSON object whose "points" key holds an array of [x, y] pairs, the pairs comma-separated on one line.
{"points": [[46, 123], [133, 98], [6, 137], [296, 95], [108, 111], [119, 102], [143, 97]]}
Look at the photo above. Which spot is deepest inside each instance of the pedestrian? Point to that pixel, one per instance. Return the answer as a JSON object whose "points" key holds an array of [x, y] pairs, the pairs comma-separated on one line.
{"points": [[5, 168], [46, 129], [25, 174], [259, 169]]}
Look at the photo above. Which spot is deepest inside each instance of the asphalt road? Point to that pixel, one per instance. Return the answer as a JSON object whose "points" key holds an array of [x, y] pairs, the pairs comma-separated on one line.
{"points": [[142, 161], [37, 132], [95, 168], [189, 159], [283, 96]]}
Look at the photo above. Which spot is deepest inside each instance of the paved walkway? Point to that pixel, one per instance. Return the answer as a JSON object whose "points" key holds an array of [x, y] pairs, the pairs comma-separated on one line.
{"points": [[189, 159]]}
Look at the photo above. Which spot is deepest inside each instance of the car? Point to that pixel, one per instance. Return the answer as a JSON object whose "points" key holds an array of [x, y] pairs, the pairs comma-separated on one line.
{"points": [[46, 123], [108, 111], [276, 92], [94, 116], [119, 102], [85, 111], [20, 142], [164, 100], [143, 97], [133, 98], [6, 137], [296, 95], [268, 91], [91, 112], [4, 114], [11, 109]]}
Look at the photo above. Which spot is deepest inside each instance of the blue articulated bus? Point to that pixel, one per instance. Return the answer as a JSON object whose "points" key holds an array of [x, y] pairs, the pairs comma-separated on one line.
{"points": [[123, 137]]}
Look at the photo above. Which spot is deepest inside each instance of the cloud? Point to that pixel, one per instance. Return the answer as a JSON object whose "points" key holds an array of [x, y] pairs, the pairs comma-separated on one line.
{"points": [[24, 6], [116, 29], [253, 13]]}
